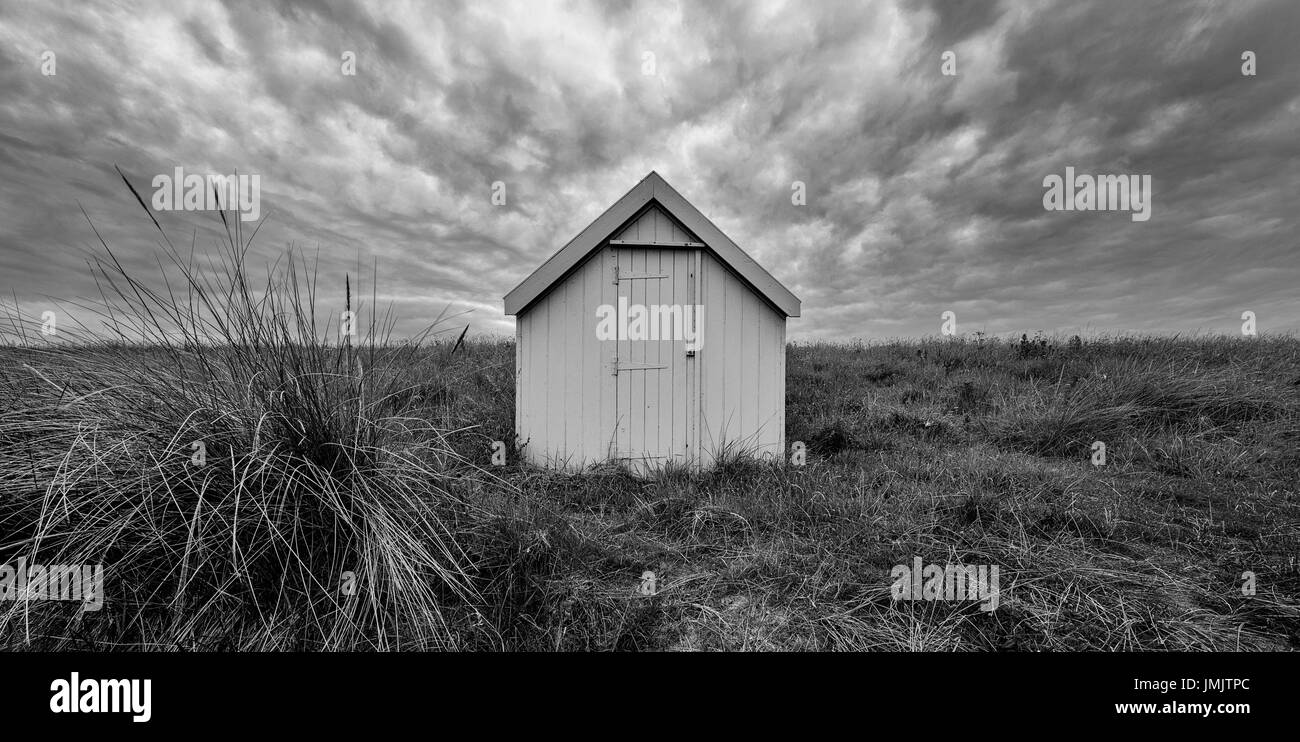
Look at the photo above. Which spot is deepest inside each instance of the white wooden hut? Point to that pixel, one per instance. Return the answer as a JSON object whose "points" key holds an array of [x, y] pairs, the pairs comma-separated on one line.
{"points": [[650, 338]]}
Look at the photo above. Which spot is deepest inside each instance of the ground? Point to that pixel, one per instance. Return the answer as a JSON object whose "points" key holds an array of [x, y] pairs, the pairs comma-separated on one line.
{"points": [[973, 451]]}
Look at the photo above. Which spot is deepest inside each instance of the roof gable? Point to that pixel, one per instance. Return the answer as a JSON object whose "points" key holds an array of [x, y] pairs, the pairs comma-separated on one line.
{"points": [[651, 189], [654, 225]]}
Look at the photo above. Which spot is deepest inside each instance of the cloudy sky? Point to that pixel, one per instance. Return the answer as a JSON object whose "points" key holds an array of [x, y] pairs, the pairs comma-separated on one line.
{"points": [[924, 190]]}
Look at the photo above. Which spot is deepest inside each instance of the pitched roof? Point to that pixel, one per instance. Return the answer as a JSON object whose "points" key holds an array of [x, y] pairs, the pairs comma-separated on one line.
{"points": [[651, 189]]}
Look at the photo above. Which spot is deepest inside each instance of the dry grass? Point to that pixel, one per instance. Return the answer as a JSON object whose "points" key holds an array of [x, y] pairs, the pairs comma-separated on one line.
{"points": [[373, 458], [311, 467]]}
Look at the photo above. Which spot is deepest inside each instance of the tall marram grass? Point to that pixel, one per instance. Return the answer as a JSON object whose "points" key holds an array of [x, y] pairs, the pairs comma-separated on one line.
{"points": [[314, 467]]}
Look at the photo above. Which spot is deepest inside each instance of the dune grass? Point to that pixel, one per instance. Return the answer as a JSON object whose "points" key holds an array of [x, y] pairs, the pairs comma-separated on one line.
{"points": [[973, 452], [251, 480], [250, 477], [983, 463]]}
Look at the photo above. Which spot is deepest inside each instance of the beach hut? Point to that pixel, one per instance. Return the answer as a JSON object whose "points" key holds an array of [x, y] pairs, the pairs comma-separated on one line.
{"points": [[649, 339]]}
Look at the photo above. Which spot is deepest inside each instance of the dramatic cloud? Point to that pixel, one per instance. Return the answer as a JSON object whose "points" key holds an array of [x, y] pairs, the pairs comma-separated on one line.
{"points": [[924, 190]]}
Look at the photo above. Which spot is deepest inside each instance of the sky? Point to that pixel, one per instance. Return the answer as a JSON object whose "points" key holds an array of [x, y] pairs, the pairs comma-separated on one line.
{"points": [[886, 161]]}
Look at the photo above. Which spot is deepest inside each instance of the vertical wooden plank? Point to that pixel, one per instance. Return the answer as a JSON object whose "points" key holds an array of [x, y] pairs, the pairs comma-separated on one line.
{"points": [[715, 366], [624, 356], [702, 440], [574, 332], [698, 297], [671, 356], [646, 224], [623, 399], [663, 356], [522, 374], [768, 382], [519, 376], [652, 354], [766, 410], [630, 231], [608, 382], [780, 393], [638, 228], [533, 382], [772, 360], [591, 423], [544, 377], [537, 382], [541, 431], [555, 414], [556, 418], [636, 350], [582, 330], [642, 287], [560, 381], [733, 349], [763, 384], [678, 378], [747, 420], [650, 413]]}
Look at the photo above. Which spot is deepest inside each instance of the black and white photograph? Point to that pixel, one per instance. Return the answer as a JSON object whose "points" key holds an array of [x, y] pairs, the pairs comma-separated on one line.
{"points": [[346, 339]]}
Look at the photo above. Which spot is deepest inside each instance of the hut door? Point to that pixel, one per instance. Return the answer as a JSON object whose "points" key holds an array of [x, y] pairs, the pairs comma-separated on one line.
{"points": [[657, 357]]}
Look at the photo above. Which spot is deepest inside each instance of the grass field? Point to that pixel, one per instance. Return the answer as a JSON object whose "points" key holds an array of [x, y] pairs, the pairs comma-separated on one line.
{"points": [[247, 483], [964, 452]]}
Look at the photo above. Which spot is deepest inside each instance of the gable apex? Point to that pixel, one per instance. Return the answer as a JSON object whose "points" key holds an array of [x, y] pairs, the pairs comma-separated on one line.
{"points": [[653, 191]]}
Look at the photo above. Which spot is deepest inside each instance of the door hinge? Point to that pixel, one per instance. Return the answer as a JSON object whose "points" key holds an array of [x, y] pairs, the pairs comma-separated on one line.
{"points": [[619, 276], [637, 367]]}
